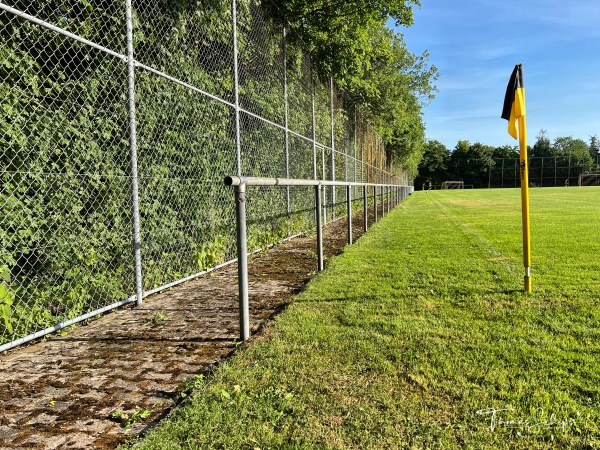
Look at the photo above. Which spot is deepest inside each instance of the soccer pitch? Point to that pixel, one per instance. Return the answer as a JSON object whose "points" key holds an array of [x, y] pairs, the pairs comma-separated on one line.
{"points": [[420, 336]]}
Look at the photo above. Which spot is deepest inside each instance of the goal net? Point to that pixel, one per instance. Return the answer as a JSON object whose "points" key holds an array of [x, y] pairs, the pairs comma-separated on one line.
{"points": [[589, 179], [453, 185]]}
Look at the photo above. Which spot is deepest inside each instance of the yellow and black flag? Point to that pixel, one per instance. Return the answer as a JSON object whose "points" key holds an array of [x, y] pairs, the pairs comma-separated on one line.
{"points": [[513, 111], [514, 100]]}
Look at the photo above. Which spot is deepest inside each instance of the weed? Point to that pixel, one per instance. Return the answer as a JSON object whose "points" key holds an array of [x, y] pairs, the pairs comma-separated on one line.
{"points": [[126, 419], [190, 384], [159, 317]]}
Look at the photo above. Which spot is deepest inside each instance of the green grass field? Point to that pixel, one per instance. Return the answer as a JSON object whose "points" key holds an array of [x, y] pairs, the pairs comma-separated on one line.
{"points": [[419, 336]]}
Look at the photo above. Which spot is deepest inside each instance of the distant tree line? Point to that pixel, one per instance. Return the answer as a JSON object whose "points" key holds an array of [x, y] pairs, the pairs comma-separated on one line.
{"points": [[471, 162]]}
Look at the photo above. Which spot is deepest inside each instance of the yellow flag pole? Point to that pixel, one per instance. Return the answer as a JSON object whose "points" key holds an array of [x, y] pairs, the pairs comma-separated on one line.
{"points": [[525, 201]]}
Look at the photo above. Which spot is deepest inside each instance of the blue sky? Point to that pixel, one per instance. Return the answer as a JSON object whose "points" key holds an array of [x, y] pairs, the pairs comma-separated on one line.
{"points": [[475, 45]]}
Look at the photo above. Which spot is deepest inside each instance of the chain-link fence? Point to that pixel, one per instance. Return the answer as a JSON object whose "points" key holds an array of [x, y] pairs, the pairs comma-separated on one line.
{"points": [[545, 171], [120, 120]]}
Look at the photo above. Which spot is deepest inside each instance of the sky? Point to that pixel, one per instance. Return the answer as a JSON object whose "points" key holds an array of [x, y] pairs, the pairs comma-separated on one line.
{"points": [[475, 45]]}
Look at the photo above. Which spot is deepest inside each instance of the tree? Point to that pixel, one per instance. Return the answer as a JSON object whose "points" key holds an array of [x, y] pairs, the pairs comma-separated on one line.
{"points": [[434, 164], [338, 32], [506, 151], [471, 163], [594, 147], [542, 145], [350, 41], [575, 149]]}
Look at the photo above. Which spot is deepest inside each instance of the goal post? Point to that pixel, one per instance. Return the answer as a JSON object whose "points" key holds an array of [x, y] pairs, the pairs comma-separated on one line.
{"points": [[589, 179], [453, 185]]}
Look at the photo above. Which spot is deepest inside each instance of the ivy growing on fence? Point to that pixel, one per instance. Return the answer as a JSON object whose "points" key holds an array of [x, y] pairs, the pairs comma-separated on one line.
{"points": [[65, 195]]}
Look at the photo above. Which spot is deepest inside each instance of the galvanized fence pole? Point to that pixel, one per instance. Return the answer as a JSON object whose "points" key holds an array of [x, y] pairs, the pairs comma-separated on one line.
{"points": [[365, 208], [286, 123], [355, 149], [137, 246], [386, 203], [385, 200], [375, 202], [325, 189], [349, 212], [388, 192], [332, 146], [319, 224], [242, 251], [236, 89], [314, 126]]}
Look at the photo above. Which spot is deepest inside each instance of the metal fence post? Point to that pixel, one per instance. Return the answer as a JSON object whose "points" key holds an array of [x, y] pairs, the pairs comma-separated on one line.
{"points": [[286, 121], [137, 246], [319, 223], [388, 192], [385, 201], [349, 211], [325, 189], [236, 89], [242, 251], [375, 202], [314, 126], [365, 209], [332, 147]]}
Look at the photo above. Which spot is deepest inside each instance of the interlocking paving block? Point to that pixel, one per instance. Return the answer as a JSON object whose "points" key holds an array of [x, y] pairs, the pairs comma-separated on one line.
{"points": [[62, 391]]}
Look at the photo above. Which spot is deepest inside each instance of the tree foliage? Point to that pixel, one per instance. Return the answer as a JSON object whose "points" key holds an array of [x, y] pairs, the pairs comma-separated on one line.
{"points": [[594, 146], [433, 167], [470, 163], [542, 146], [351, 41]]}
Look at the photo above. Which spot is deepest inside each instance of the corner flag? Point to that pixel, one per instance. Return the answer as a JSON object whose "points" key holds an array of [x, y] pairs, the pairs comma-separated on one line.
{"points": [[514, 111]]}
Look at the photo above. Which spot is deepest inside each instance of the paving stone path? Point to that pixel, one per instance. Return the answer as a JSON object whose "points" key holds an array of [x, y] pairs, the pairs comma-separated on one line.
{"points": [[62, 392]]}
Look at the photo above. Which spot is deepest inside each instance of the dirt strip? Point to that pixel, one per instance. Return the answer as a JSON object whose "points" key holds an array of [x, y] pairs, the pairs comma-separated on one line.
{"points": [[66, 391]]}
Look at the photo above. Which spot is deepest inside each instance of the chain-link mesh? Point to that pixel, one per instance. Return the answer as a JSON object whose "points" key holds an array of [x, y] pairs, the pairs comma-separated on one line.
{"points": [[67, 193], [544, 171]]}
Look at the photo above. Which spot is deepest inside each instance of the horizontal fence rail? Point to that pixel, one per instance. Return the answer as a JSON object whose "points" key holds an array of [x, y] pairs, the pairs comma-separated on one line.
{"points": [[120, 120], [390, 194]]}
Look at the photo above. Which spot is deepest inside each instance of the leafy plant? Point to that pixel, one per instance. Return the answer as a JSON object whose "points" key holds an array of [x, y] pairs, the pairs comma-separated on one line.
{"points": [[211, 253], [128, 418], [7, 297], [190, 384], [160, 316]]}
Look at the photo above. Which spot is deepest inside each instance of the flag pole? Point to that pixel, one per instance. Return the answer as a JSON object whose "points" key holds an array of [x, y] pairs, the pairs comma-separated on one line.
{"points": [[514, 111], [525, 202]]}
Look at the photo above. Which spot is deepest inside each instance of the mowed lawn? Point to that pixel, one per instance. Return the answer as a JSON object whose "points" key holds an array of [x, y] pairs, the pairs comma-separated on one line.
{"points": [[419, 336]]}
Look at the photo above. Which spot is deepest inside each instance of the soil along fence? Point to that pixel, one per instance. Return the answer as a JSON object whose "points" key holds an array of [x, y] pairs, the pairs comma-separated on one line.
{"points": [[120, 121]]}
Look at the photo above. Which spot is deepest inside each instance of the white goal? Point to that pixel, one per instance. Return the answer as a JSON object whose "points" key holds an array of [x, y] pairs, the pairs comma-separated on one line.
{"points": [[453, 185], [589, 179]]}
